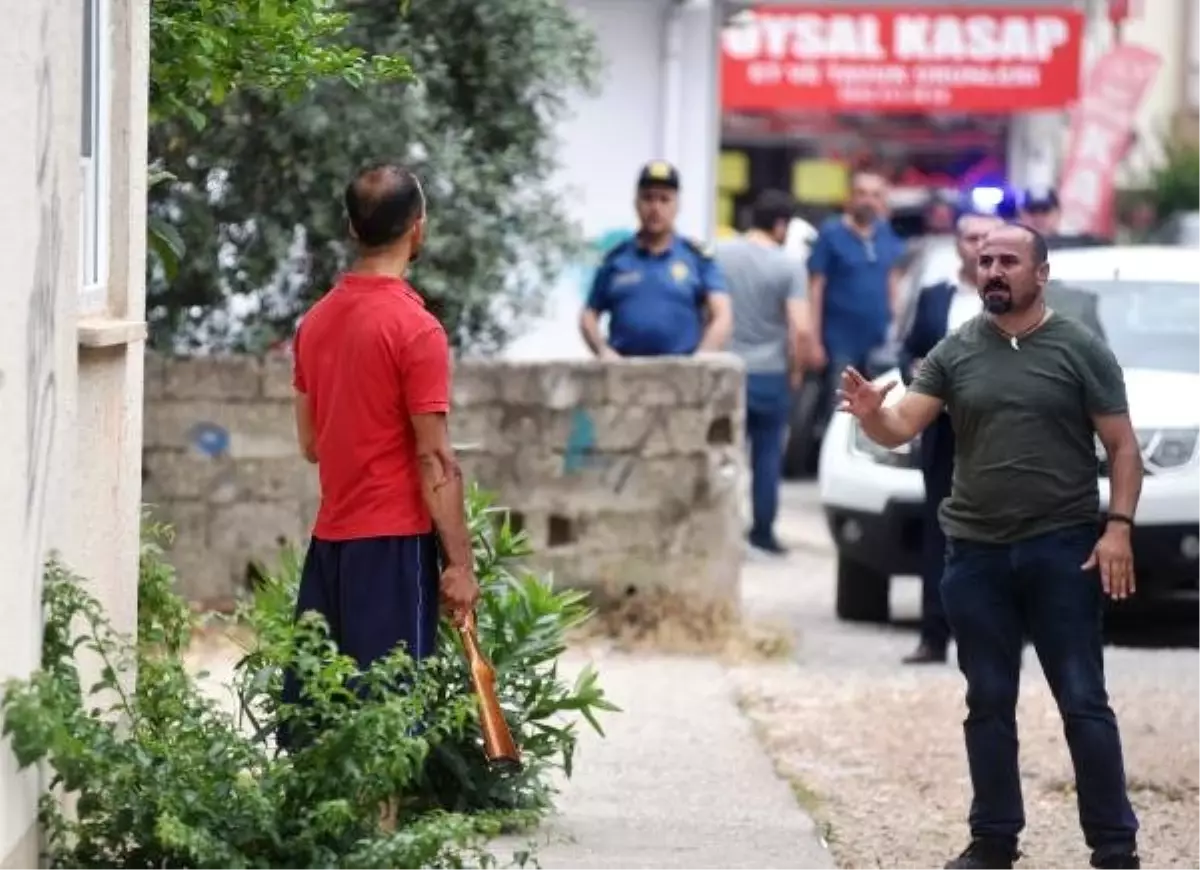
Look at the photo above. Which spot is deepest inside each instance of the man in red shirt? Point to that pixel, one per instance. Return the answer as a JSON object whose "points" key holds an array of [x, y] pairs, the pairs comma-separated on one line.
{"points": [[372, 385]]}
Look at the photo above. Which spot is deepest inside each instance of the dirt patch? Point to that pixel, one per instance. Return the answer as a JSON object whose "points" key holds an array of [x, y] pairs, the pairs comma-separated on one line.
{"points": [[880, 761], [652, 623]]}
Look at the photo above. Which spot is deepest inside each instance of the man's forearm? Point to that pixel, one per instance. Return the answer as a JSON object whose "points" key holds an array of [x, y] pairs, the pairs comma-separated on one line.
{"points": [[1125, 474], [887, 428], [797, 347], [716, 334], [589, 328], [442, 489], [718, 326], [816, 300]]}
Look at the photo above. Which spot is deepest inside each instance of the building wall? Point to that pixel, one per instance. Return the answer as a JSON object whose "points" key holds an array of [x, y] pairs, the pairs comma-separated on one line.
{"points": [[70, 376], [625, 475], [657, 100]]}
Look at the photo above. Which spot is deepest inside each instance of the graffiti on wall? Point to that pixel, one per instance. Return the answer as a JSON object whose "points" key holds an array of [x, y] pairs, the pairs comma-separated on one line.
{"points": [[211, 439], [40, 384], [579, 452]]}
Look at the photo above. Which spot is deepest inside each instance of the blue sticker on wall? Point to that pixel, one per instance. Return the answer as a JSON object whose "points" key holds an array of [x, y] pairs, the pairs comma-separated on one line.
{"points": [[210, 439], [581, 441]]}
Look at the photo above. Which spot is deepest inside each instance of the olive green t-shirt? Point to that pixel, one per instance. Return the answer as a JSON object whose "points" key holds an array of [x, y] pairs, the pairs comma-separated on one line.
{"points": [[1025, 458]]}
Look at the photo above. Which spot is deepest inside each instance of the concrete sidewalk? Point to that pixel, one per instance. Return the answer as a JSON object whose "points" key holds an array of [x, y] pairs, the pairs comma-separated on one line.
{"points": [[679, 781]]}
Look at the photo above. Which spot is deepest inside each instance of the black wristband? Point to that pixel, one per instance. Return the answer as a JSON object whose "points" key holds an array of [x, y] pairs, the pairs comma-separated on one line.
{"points": [[1120, 518]]}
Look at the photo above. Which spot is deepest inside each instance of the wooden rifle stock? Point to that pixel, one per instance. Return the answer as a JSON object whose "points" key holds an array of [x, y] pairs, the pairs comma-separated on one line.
{"points": [[498, 744]]}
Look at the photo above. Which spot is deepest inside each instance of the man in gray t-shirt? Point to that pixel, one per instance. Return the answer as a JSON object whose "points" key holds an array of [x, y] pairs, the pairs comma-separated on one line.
{"points": [[767, 289], [1028, 390]]}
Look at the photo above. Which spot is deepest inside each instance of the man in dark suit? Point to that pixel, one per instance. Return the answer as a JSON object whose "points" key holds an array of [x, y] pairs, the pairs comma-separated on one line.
{"points": [[940, 309]]}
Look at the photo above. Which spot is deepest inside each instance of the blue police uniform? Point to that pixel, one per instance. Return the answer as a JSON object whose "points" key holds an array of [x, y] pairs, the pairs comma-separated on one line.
{"points": [[655, 301]]}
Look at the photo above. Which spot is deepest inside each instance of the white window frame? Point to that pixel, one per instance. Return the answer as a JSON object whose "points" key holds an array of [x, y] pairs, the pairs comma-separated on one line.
{"points": [[94, 167]]}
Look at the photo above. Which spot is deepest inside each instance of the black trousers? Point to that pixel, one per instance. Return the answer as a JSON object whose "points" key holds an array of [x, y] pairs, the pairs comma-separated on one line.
{"points": [[376, 594]]}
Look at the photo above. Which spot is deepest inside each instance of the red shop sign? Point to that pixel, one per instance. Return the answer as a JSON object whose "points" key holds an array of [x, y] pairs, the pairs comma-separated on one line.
{"points": [[914, 59]]}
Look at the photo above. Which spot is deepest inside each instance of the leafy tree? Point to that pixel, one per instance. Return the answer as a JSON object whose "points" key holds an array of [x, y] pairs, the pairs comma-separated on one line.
{"points": [[1175, 182], [257, 200], [204, 50]]}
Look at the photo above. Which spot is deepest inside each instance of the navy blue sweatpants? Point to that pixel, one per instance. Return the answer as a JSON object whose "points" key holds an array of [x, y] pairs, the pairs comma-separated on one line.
{"points": [[375, 593]]}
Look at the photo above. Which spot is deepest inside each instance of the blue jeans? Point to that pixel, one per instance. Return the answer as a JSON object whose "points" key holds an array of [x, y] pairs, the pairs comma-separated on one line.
{"points": [[768, 400], [994, 595]]}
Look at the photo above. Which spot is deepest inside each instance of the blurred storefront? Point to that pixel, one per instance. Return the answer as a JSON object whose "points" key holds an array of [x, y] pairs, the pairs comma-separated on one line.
{"points": [[935, 94], [954, 95]]}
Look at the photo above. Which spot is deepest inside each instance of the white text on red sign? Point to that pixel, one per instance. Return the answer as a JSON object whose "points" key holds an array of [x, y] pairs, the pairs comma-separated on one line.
{"points": [[915, 37]]}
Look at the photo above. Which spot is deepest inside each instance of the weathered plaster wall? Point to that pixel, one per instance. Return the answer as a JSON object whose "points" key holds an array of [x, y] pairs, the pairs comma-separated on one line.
{"points": [[39, 172], [70, 368]]}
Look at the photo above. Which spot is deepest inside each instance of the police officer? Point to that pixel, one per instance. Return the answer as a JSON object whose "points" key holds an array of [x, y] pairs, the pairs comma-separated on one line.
{"points": [[1040, 210], [663, 293]]}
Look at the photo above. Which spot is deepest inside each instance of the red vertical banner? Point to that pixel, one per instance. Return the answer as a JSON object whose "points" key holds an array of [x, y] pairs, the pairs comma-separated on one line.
{"points": [[1102, 128]]}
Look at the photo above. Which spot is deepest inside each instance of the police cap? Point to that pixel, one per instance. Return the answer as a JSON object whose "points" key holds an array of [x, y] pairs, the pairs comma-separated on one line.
{"points": [[658, 173], [1039, 199]]}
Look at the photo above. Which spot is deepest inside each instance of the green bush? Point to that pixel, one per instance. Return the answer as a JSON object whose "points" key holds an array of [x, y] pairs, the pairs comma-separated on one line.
{"points": [[164, 775], [523, 623], [1175, 182]]}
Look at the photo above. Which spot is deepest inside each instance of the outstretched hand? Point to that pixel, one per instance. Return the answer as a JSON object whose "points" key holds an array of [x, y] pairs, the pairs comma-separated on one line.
{"points": [[859, 396]]}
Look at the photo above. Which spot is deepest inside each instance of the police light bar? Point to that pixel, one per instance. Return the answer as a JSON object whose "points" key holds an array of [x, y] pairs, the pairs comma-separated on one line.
{"points": [[986, 199]]}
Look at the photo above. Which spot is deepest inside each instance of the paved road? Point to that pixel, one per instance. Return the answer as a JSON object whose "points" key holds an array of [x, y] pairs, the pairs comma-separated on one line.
{"points": [[679, 781], [800, 590]]}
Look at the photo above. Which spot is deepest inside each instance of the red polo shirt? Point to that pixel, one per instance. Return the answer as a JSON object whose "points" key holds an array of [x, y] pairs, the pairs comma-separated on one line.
{"points": [[369, 356]]}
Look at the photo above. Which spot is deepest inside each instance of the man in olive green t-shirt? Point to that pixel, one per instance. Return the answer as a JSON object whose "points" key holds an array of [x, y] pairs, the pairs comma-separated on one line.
{"points": [[1027, 391]]}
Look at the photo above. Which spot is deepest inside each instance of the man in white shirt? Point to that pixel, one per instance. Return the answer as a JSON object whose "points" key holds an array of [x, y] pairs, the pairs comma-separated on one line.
{"points": [[939, 310]]}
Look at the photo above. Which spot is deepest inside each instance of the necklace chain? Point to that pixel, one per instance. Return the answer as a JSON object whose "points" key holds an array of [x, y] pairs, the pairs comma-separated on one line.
{"points": [[1014, 337]]}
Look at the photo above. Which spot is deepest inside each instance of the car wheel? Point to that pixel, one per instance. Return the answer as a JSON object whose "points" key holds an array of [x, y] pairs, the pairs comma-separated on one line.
{"points": [[804, 435], [862, 594]]}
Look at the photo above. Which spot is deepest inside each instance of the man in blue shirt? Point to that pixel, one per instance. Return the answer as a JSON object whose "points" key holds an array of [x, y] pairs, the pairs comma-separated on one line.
{"points": [[853, 283], [663, 293]]}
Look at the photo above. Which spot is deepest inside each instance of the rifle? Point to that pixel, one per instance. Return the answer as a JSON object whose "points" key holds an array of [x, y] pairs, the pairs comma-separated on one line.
{"points": [[498, 744]]}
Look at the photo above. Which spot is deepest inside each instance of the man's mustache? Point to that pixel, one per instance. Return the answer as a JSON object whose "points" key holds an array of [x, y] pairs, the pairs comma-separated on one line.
{"points": [[997, 285]]}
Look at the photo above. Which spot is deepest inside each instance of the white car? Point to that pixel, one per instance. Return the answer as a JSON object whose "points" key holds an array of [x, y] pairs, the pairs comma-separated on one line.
{"points": [[1148, 307]]}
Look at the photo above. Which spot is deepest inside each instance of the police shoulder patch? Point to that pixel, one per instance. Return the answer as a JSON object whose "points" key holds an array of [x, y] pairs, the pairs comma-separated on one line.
{"points": [[699, 247]]}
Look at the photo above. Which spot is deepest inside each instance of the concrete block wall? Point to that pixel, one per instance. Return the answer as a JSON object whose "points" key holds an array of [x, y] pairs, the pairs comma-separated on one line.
{"points": [[627, 476]]}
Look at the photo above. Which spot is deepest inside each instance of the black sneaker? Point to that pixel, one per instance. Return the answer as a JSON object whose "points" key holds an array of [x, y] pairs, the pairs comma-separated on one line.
{"points": [[1120, 861], [985, 855], [926, 654], [767, 545]]}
